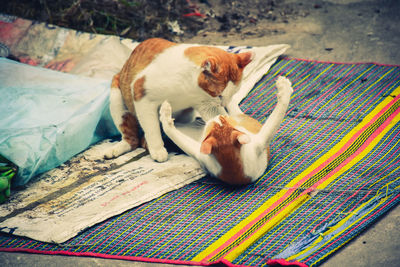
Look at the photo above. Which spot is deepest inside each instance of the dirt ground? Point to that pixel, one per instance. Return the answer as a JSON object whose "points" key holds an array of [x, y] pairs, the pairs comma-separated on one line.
{"points": [[330, 30], [336, 30]]}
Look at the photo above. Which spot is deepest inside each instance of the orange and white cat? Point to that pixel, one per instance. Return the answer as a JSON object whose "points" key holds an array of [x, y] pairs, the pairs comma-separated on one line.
{"points": [[187, 76], [234, 149]]}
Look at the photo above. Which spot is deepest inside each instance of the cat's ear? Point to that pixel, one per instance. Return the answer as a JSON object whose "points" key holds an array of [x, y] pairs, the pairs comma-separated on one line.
{"points": [[242, 138], [210, 65], [245, 58], [207, 145]]}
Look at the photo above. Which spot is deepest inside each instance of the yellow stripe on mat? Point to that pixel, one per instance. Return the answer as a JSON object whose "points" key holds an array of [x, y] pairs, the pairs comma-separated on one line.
{"points": [[240, 237], [304, 197], [233, 254]]}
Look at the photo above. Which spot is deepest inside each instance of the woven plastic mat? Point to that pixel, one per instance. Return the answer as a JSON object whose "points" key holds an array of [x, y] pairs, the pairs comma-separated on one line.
{"points": [[334, 171]]}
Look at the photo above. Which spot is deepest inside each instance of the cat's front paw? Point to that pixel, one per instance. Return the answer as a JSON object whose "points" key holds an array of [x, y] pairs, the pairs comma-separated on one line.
{"points": [[166, 114], [159, 155], [284, 86]]}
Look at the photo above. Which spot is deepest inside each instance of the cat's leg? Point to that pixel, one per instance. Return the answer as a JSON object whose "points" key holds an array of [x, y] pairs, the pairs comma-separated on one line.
{"points": [[147, 114], [271, 126], [184, 142]]}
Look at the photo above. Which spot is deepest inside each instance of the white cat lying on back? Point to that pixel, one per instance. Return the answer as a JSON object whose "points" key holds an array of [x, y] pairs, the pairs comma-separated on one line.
{"points": [[234, 149]]}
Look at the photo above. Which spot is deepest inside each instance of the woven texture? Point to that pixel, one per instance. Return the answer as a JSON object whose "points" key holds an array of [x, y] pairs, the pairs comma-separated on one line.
{"points": [[334, 170]]}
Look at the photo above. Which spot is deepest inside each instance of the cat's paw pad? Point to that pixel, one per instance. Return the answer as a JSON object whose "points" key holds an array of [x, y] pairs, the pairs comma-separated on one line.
{"points": [[159, 155], [117, 150], [284, 86], [166, 114]]}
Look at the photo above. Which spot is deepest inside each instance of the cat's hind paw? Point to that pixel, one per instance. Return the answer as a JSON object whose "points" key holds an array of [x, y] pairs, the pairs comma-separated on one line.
{"points": [[117, 150]]}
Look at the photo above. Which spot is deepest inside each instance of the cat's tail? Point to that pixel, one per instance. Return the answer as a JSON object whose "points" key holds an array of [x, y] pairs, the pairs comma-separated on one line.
{"points": [[124, 121], [117, 106]]}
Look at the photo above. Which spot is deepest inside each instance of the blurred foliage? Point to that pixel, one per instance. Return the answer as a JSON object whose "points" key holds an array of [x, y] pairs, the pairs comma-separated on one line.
{"points": [[175, 20], [137, 19]]}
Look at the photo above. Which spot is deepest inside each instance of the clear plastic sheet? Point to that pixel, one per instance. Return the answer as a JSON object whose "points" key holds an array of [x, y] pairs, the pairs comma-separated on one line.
{"points": [[46, 117]]}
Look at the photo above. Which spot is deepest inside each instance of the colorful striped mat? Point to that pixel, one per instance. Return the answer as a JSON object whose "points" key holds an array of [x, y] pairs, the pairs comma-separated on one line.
{"points": [[334, 170]]}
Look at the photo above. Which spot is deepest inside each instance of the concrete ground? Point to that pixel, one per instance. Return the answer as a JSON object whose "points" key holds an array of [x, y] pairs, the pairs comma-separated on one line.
{"points": [[330, 30]]}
